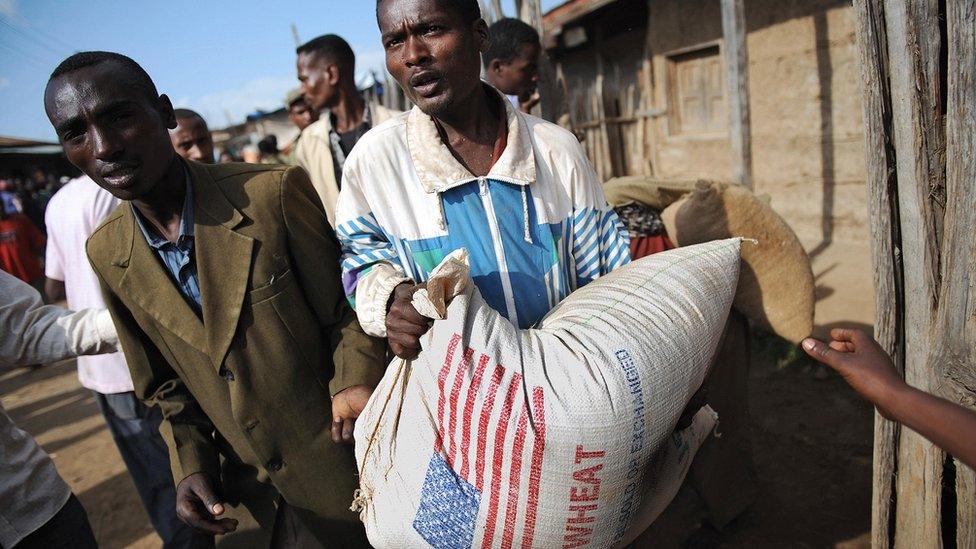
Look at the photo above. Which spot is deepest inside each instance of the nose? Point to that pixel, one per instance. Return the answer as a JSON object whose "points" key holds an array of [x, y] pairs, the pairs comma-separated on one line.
{"points": [[416, 52], [105, 144], [195, 153]]}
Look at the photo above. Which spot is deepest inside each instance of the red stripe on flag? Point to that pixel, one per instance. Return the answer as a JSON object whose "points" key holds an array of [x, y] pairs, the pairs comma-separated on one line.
{"points": [[535, 473], [479, 463], [441, 380], [468, 412], [463, 365], [499, 454], [514, 479]]}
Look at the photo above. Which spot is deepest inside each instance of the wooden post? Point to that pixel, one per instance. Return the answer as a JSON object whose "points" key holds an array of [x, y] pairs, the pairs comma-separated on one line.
{"points": [[955, 347], [922, 181], [737, 76], [885, 244], [647, 123]]}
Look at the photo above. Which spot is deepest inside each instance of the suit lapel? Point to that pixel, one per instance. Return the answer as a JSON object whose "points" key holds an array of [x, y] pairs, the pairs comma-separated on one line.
{"points": [[223, 261], [146, 283]]}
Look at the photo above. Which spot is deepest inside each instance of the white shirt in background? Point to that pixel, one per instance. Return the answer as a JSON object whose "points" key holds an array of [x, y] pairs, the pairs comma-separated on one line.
{"points": [[72, 216]]}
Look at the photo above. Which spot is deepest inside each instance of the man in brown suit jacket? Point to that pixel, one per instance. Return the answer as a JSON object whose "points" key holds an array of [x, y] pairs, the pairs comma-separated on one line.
{"points": [[223, 282]]}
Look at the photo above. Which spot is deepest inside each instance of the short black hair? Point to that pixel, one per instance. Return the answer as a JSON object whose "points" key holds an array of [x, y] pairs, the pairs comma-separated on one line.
{"points": [[85, 59], [470, 10], [268, 145], [331, 47], [183, 114], [507, 37]]}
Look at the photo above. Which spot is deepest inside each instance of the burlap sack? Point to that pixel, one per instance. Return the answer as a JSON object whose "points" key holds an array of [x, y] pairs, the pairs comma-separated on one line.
{"points": [[641, 189], [776, 285]]}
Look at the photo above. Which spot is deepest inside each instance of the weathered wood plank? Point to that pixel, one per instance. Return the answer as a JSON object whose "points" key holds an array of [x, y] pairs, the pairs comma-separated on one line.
{"points": [[912, 67], [646, 132], [737, 77], [885, 243], [955, 352]]}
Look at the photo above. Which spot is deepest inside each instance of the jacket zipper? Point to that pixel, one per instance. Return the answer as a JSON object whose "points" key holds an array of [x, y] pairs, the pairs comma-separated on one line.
{"points": [[496, 238]]}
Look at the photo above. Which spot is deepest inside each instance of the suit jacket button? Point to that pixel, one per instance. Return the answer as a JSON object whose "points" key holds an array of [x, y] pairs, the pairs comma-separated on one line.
{"points": [[226, 374], [251, 425], [274, 465]]}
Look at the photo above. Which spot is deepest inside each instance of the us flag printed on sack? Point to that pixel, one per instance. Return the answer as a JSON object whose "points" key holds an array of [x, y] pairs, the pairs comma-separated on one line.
{"points": [[489, 449]]}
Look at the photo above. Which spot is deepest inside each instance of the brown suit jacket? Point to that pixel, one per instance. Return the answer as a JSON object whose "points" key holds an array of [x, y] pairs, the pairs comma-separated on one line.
{"points": [[245, 390]]}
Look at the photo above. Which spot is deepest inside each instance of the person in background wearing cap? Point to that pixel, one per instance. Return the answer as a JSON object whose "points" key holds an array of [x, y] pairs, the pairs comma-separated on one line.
{"points": [[191, 137], [302, 116], [326, 68]]}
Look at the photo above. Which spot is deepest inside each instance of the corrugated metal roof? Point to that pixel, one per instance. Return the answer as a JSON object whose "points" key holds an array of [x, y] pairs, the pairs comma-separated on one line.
{"points": [[558, 17]]}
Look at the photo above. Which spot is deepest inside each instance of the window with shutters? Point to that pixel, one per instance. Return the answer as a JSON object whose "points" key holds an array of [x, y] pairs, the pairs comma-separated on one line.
{"points": [[697, 92]]}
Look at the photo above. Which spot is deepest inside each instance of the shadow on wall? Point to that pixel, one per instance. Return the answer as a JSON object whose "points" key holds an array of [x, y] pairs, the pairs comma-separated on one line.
{"points": [[825, 77]]}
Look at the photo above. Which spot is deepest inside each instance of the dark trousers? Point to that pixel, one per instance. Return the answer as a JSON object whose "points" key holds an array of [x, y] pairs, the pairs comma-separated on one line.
{"points": [[69, 528], [135, 428]]}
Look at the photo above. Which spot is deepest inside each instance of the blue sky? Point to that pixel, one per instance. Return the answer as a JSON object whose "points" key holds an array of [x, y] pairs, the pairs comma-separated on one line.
{"points": [[222, 58]]}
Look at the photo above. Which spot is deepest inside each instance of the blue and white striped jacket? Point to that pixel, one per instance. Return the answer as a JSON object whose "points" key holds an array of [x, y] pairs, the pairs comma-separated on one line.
{"points": [[536, 227]]}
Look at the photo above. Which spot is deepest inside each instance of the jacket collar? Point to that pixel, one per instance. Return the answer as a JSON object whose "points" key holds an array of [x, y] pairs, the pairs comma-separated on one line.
{"points": [[439, 171], [223, 259]]}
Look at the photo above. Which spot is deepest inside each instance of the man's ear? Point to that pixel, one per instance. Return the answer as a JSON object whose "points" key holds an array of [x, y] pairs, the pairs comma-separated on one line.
{"points": [[482, 35], [495, 65], [332, 73], [165, 108]]}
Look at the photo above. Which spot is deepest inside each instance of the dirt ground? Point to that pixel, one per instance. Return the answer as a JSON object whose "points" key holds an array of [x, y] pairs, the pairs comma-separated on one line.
{"points": [[812, 439]]}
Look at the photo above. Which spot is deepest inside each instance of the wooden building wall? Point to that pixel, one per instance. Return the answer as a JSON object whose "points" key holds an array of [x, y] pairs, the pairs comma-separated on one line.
{"points": [[807, 138]]}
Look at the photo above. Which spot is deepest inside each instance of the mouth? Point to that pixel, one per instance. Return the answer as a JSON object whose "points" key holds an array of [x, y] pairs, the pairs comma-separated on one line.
{"points": [[119, 177], [427, 83]]}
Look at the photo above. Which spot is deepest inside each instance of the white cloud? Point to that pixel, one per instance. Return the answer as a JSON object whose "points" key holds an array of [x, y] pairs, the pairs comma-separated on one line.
{"points": [[231, 106], [4, 82], [8, 8]]}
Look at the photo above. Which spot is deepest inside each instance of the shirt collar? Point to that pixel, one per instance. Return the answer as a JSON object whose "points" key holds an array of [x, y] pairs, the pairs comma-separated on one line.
{"points": [[439, 171], [186, 222]]}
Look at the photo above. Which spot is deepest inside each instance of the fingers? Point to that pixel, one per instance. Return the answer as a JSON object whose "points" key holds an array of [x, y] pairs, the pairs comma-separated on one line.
{"points": [[842, 346], [193, 511], [851, 335], [404, 314], [403, 351], [348, 426], [821, 352], [337, 430], [208, 496]]}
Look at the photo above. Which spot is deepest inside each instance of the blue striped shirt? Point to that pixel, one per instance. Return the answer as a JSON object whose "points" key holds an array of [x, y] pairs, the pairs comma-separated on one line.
{"points": [[177, 257]]}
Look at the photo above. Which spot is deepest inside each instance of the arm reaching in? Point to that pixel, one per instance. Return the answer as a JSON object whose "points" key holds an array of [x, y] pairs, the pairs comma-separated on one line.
{"points": [[868, 370], [37, 333]]}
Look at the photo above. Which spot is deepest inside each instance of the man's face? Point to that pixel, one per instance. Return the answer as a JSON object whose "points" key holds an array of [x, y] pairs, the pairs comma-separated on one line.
{"points": [[431, 52], [110, 129], [192, 140], [301, 114], [320, 80], [520, 76]]}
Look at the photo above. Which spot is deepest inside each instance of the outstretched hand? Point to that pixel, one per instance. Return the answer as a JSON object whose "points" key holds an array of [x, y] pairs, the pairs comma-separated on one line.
{"points": [[198, 505], [347, 404], [861, 361]]}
